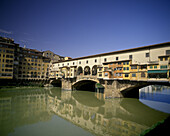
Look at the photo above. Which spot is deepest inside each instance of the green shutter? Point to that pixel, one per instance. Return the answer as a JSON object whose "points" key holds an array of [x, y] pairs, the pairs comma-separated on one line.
{"points": [[157, 71]]}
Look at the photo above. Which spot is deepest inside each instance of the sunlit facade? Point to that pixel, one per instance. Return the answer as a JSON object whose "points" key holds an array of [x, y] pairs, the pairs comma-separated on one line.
{"points": [[147, 63], [7, 58]]}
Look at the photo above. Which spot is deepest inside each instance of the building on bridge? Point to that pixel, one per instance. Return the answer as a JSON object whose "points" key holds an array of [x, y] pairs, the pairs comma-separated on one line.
{"points": [[146, 64]]}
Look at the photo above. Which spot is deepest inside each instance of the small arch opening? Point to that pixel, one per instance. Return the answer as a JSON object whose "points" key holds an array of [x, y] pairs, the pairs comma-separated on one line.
{"points": [[94, 70], [80, 71], [87, 70]]}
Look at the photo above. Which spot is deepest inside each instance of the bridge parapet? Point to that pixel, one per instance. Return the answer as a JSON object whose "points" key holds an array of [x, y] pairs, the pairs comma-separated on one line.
{"points": [[86, 77]]}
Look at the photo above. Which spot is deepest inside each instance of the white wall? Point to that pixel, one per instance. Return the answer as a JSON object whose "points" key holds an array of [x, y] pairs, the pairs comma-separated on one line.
{"points": [[139, 57]]}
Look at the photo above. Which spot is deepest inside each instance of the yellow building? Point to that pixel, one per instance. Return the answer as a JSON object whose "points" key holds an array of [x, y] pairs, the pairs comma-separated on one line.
{"points": [[33, 65], [67, 58], [142, 73], [160, 70], [134, 72], [7, 49], [126, 69], [100, 72]]}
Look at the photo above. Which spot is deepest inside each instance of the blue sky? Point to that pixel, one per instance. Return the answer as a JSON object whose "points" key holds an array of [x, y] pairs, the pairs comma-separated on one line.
{"points": [[78, 28]]}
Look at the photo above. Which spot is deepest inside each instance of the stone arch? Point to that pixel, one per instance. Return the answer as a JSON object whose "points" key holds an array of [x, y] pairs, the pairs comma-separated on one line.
{"points": [[87, 70], [56, 82], [131, 89], [86, 85], [79, 70], [94, 70]]}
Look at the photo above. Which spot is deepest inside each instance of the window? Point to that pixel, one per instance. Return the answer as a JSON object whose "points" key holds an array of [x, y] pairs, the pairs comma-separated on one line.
{"points": [[73, 63], [155, 67], [167, 52], [119, 74], [166, 58], [142, 74], [87, 62], [79, 62], [125, 63], [127, 68], [161, 59], [133, 67], [130, 57], [147, 54], [67, 63], [126, 75], [163, 66], [119, 63], [151, 67], [117, 58], [95, 60], [106, 74], [143, 67], [133, 75], [105, 59]]}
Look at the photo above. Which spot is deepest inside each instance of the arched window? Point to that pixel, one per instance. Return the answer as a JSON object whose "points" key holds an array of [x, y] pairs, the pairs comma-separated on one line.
{"points": [[80, 71], [87, 70], [94, 70]]}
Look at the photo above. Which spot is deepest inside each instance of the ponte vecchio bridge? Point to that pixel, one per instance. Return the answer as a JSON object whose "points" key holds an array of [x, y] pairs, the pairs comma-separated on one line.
{"points": [[116, 73]]}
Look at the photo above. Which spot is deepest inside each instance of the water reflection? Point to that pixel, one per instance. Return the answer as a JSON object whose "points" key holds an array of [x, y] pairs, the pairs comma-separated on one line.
{"points": [[88, 110], [157, 97]]}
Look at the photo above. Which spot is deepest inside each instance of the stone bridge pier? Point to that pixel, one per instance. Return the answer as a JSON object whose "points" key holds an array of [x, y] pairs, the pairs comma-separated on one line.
{"points": [[123, 88], [112, 88]]}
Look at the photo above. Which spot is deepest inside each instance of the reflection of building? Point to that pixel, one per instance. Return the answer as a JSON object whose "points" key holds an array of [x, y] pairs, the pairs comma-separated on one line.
{"points": [[109, 117], [100, 120], [22, 108]]}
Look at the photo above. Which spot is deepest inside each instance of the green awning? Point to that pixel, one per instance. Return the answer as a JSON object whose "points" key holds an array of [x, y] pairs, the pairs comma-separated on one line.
{"points": [[157, 71]]}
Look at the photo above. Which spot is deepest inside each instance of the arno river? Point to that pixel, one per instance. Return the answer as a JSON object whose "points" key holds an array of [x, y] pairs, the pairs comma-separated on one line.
{"points": [[55, 112]]}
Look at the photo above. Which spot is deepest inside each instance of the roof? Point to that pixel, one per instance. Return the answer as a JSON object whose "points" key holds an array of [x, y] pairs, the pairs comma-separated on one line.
{"points": [[122, 51], [164, 56], [153, 64], [30, 49]]}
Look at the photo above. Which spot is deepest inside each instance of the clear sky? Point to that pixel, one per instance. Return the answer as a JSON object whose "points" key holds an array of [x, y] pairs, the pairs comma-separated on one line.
{"points": [[78, 28]]}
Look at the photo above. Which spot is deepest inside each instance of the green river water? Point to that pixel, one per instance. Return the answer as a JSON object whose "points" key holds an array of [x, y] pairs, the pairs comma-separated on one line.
{"points": [[56, 112]]}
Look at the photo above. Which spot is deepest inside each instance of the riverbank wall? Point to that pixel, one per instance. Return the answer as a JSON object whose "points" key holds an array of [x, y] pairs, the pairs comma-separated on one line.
{"points": [[14, 82]]}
